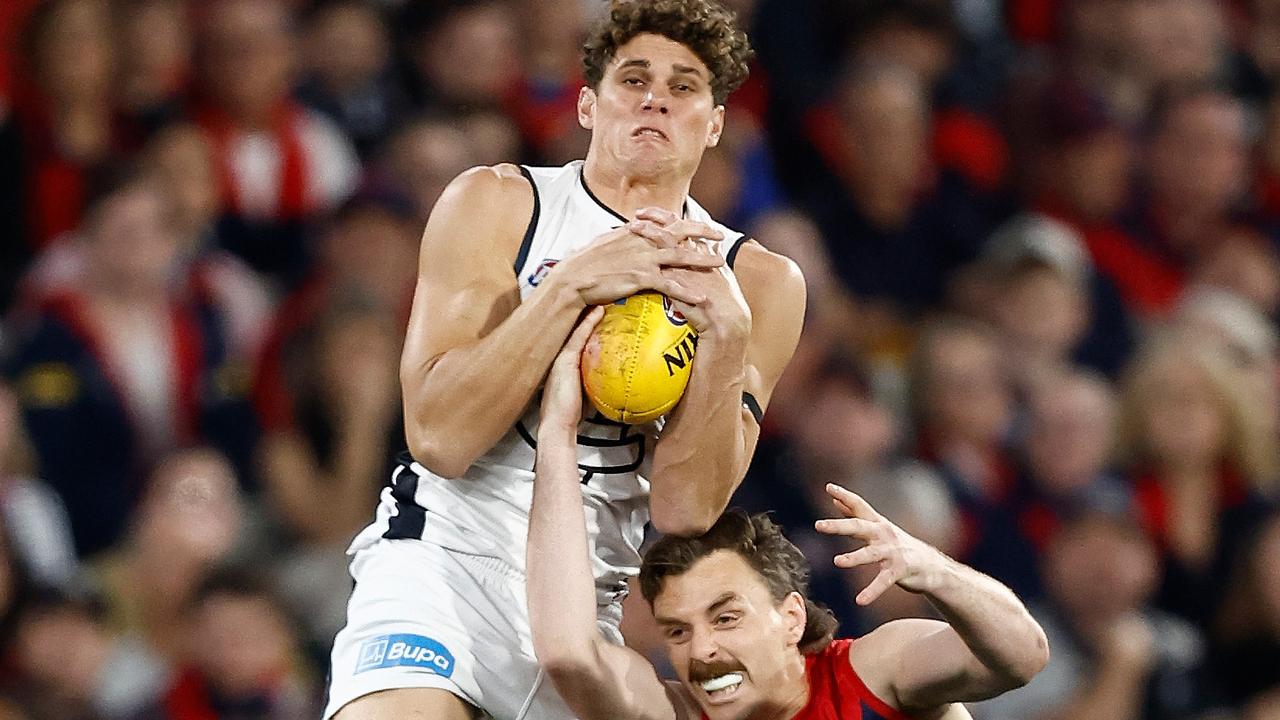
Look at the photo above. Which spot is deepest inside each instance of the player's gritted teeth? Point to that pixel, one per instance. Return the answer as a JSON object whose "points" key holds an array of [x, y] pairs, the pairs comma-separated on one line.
{"points": [[720, 681], [649, 132]]}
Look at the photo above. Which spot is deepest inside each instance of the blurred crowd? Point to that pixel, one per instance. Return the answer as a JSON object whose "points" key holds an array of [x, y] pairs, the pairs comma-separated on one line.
{"points": [[1042, 246]]}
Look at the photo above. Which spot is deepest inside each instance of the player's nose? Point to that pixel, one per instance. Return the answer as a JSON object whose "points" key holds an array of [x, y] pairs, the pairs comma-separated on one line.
{"points": [[703, 646], [655, 101]]}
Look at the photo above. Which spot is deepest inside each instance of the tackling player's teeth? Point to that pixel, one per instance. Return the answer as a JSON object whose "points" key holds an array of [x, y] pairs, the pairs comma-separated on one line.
{"points": [[722, 682]]}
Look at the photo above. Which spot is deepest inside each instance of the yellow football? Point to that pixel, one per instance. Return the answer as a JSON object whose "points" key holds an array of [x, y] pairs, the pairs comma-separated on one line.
{"points": [[637, 361]]}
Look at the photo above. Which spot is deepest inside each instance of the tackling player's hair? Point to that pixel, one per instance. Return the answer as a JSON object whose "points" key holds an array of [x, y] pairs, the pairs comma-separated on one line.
{"points": [[761, 543], [705, 27]]}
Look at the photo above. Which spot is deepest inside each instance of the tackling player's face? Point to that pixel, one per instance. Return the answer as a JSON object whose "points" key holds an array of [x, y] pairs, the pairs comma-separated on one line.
{"points": [[653, 111], [733, 647]]}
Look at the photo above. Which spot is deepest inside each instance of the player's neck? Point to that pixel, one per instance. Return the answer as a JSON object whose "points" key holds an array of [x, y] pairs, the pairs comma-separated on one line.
{"points": [[792, 696], [626, 193]]}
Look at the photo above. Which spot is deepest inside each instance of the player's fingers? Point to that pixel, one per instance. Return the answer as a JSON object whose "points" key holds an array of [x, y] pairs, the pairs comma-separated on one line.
{"points": [[861, 556], [683, 229], [882, 582], [654, 233], [682, 257], [658, 215], [854, 527], [678, 292], [578, 338], [852, 501]]}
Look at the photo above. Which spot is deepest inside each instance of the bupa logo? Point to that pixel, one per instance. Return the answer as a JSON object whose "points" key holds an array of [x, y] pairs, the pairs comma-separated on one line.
{"points": [[404, 650], [541, 271], [673, 315]]}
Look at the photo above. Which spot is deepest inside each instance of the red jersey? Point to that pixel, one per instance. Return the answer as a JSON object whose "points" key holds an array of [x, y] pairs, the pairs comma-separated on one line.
{"points": [[836, 692]]}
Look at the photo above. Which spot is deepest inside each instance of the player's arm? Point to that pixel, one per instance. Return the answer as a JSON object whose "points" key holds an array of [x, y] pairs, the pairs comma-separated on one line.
{"points": [[474, 353], [596, 678], [747, 331], [989, 643]]}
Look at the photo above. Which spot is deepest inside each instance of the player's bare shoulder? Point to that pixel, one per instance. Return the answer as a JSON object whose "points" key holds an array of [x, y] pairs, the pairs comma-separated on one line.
{"points": [[769, 281], [492, 202]]}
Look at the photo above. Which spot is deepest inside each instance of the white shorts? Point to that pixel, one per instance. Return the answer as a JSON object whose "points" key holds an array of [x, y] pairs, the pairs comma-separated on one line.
{"points": [[424, 616]]}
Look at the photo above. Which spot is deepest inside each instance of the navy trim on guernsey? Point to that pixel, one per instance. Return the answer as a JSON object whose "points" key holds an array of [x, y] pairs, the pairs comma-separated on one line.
{"points": [[751, 404], [527, 242], [410, 518], [582, 178], [624, 439], [732, 255]]}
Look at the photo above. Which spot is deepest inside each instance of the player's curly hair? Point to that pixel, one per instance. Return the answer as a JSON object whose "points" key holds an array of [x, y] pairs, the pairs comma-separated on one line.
{"points": [[704, 26], [761, 543]]}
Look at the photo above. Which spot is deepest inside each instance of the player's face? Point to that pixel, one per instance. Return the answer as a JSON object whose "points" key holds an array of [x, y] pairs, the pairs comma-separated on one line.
{"points": [[653, 111], [733, 647]]}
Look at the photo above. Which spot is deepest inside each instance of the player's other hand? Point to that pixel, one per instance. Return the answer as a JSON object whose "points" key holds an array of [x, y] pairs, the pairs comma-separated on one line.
{"points": [[630, 259], [562, 393], [722, 311], [901, 559]]}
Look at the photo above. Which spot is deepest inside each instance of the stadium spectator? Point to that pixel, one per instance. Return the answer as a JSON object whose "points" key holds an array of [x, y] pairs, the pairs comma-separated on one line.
{"points": [[181, 157], [1201, 461], [278, 162], [347, 71], [422, 157], [1114, 656], [543, 101], [963, 404], [122, 361], [1066, 451], [240, 645], [72, 666], [464, 54], [191, 520], [154, 50], [893, 230], [1196, 175], [63, 112]]}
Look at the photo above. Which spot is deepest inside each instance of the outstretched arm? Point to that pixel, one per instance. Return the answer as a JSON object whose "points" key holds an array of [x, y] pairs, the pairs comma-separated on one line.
{"points": [[990, 643], [596, 678]]}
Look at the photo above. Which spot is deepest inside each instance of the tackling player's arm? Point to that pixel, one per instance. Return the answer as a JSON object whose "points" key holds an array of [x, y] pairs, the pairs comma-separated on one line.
{"points": [[988, 645], [747, 331], [596, 678], [474, 353]]}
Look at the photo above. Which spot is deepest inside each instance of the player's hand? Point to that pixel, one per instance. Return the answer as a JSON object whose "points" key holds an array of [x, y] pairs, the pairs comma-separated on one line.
{"points": [[723, 311], [666, 229], [562, 393], [630, 259], [902, 559]]}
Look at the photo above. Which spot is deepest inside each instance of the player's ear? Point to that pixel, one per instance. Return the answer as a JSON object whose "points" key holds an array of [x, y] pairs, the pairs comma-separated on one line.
{"points": [[794, 617], [586, 107], [716, 127]]}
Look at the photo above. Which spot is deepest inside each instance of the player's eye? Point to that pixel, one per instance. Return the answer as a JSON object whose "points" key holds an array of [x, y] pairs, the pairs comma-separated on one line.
{"points": [[726, 620], [675, 634], [635, 81]]}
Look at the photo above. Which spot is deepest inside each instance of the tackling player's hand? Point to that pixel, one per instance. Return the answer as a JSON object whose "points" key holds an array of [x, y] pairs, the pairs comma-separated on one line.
{"points": [[902, 559], [562, 393], [723, 311], [630, 259]]}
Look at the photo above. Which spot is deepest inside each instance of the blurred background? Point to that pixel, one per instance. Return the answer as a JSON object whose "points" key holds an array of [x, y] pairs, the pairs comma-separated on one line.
{"points": [[1042, 244]]}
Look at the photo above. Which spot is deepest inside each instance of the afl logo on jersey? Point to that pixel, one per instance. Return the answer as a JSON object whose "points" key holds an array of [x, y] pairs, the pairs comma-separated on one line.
{"points": [[541, 271], [673, 315]]}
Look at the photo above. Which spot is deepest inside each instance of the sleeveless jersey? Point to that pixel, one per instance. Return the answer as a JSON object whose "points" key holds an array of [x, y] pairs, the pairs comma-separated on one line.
{"points": [[486, 511], [836, 692]]}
